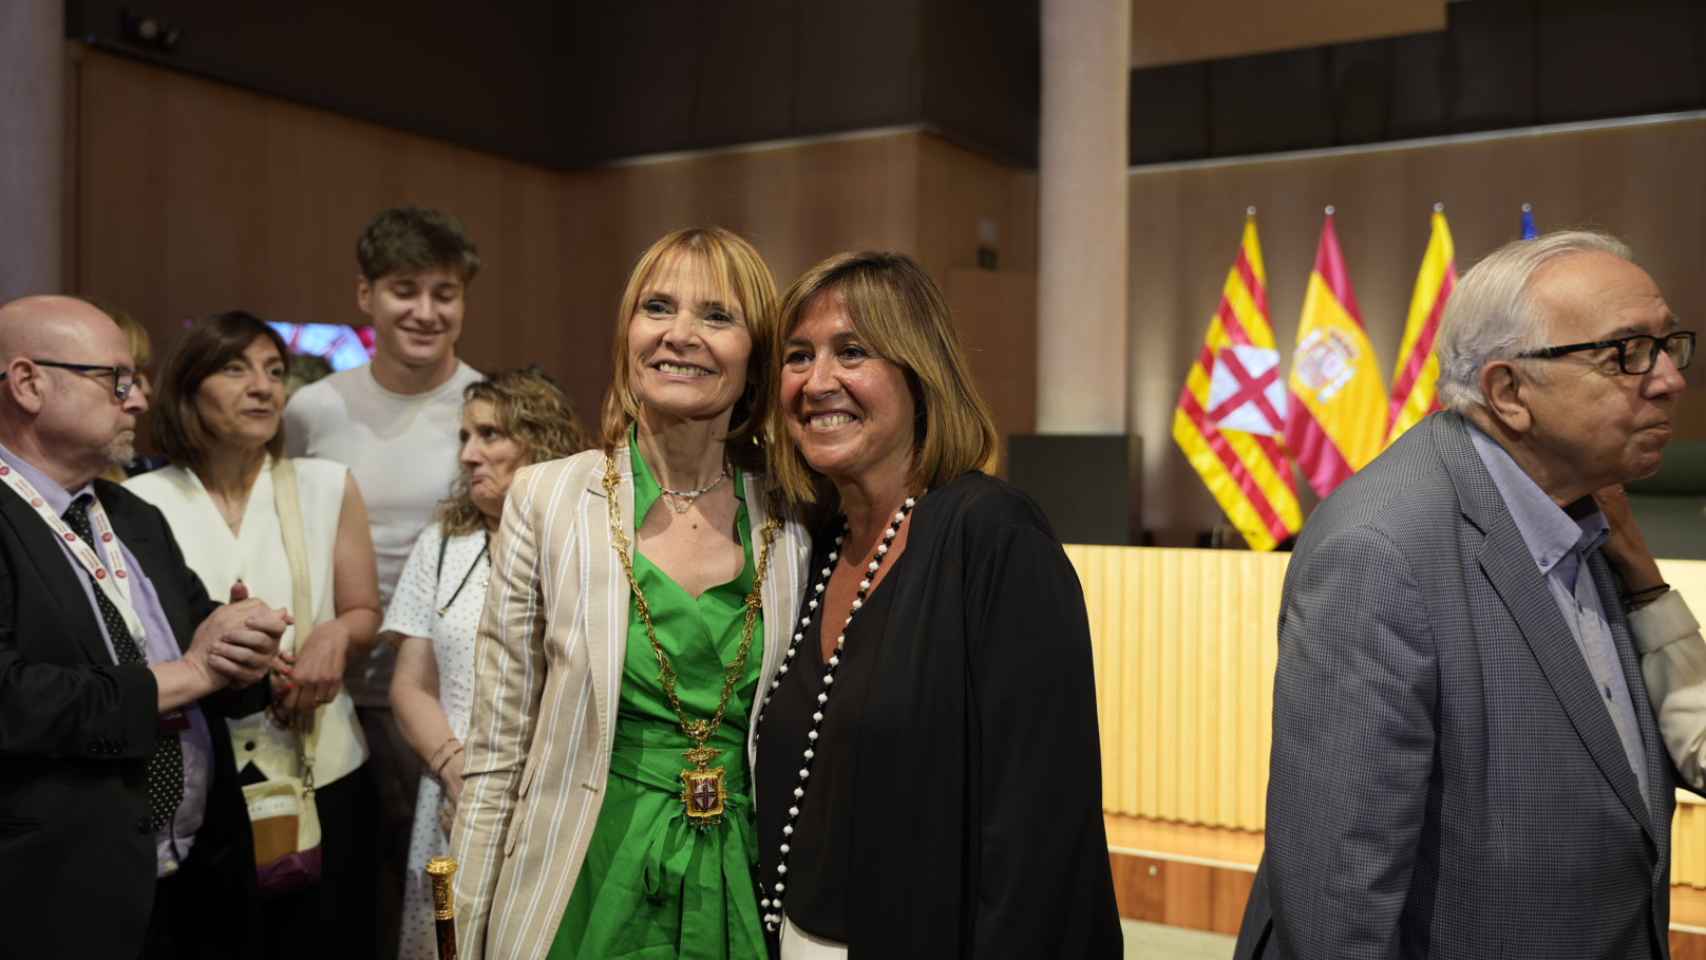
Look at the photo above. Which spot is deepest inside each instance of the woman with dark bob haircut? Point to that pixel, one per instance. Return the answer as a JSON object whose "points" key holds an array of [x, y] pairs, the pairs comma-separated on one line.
{"points": [[929, 779], [235, 503]]}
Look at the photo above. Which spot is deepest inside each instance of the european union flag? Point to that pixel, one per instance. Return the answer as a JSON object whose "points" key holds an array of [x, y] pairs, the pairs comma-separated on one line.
{"points": [[1529, 231]]}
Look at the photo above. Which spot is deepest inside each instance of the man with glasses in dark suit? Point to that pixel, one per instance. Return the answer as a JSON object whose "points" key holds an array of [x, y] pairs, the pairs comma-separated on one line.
{"points": [[122, 828], [1465, 761]]}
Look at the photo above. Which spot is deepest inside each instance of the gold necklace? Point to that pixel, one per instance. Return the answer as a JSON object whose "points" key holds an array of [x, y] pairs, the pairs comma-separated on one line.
{"points": [[704, 795]]}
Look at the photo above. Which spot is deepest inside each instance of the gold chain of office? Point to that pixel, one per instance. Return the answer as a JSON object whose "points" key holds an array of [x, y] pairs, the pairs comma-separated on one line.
{"points": [[704, 793]]}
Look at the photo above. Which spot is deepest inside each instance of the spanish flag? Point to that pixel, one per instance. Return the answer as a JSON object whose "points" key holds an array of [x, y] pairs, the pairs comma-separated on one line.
{"points": [[1231, 412], [1337, 417], [1415, 384]]}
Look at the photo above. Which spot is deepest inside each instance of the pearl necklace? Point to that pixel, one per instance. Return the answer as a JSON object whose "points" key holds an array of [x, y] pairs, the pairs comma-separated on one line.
{"points": [[772, 901]]}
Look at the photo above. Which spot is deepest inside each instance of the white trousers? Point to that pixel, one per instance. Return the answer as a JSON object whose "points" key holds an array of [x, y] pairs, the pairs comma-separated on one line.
{"points": [[800, 945]]}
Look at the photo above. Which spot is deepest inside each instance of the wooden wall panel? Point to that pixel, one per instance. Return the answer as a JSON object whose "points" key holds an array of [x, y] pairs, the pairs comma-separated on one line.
{"points": [[1180, 893], [1687, 945], [961, 194], [1212, 898], [995, 315], [194, 197], [796, 204], [959, 188], [1642, 182], [1208, 29]]}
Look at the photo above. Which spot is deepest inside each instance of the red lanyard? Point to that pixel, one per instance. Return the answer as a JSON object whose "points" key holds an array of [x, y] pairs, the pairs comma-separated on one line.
{"points": [[117, 586]]}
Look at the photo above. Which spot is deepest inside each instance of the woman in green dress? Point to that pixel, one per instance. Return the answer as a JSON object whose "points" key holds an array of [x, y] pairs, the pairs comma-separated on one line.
{"points": [[641, 594]]}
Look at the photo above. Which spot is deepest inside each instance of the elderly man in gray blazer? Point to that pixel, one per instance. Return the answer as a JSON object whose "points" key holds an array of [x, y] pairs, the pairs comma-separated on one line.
{"points": [[1465, 759]]}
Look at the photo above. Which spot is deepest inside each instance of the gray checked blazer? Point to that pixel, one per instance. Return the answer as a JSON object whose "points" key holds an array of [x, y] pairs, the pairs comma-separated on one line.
{"points": [[1445, 780]]}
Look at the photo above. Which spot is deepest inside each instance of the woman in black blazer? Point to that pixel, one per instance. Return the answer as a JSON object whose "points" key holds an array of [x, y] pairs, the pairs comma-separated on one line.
{"points": [[928, 762]]}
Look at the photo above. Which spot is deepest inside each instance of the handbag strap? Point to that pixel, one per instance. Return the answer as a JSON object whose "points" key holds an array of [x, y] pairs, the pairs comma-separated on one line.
{"points": [[287, 501], [438, 576]]}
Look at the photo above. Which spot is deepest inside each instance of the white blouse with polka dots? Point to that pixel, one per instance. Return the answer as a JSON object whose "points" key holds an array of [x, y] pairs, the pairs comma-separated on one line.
{"points": [[422, 591]]}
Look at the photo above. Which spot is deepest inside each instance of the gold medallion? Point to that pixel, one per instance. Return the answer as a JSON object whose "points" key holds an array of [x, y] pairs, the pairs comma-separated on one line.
{"points": [[704, 796]]}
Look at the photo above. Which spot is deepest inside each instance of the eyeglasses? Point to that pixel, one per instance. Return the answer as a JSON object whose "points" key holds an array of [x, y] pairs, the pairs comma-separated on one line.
{"points": [[124, 378], [1636, 354]]}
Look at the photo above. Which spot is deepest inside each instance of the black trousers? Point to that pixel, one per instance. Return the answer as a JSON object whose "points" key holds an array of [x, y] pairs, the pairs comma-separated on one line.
{"points": [[199, 916], [396, 774]]}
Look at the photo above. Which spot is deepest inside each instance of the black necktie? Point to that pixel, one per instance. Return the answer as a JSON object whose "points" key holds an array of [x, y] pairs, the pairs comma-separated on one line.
{"points": [[166, 765]]}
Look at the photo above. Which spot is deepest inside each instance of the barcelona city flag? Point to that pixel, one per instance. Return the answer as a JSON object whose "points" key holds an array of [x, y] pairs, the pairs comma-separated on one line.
{"points": [[1336, 421], [1231, 413], [1415, 383]]}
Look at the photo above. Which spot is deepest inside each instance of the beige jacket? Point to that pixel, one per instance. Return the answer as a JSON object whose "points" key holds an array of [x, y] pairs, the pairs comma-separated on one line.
{"points": [[547, 676], [1673, 662]]}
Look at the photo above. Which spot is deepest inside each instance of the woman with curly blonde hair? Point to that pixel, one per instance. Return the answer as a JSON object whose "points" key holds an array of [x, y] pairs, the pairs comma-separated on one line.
{"points": [[508, 421]]}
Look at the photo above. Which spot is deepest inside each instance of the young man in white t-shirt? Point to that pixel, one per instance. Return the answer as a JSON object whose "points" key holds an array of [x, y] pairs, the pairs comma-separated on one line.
{"points": [[394, 422]]}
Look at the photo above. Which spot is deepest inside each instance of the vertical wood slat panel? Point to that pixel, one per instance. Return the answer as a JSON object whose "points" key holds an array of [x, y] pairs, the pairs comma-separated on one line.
{"points": [[1184, 651], [1185, 646], [1688, 843]]}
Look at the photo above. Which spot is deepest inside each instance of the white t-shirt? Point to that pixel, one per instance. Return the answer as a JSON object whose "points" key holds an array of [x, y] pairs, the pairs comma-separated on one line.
{"points": [[401, 449]]}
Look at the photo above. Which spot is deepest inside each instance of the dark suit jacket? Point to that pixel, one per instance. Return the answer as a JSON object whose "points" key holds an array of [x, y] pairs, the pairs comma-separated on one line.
{"points": [[77, 856], [1445, 779], [979, 828]]}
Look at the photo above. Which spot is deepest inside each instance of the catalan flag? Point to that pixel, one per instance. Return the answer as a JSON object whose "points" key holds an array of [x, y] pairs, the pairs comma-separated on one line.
{"points": [[1231, 412], [1415, 383], [1336, 421]]}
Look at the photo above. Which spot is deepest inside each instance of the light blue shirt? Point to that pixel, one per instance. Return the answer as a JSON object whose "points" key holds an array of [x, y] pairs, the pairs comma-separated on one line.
{"points": [[1561, 545], [159, 645]]}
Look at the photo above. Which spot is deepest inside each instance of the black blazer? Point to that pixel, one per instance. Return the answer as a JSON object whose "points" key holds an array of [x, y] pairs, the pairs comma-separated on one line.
{"points": [[77, 856], [979, 791], [1446, 781]]}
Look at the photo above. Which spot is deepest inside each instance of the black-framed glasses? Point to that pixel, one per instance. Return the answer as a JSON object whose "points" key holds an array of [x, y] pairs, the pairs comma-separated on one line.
{"points": [[1636, 353], [124, 378]]}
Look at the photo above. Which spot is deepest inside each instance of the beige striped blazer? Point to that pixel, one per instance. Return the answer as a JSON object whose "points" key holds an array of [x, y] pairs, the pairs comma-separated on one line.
{"points": [[548, 671]]}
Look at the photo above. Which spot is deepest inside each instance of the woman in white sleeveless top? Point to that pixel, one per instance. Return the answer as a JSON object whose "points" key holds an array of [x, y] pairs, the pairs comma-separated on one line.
{"points": [[509, 421], [218, 416]]}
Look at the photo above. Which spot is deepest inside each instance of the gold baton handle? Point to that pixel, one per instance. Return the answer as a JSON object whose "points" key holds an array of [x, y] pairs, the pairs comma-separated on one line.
{"points": [[441, 869]]}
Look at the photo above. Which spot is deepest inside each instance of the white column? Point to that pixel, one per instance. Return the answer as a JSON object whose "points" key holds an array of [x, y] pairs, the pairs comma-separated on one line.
{"points": [[32, 146], [1082, 245]]}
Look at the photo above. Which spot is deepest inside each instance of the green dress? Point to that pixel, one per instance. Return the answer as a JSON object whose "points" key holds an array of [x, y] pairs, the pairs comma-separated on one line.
{"points": [[652, 886]]}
